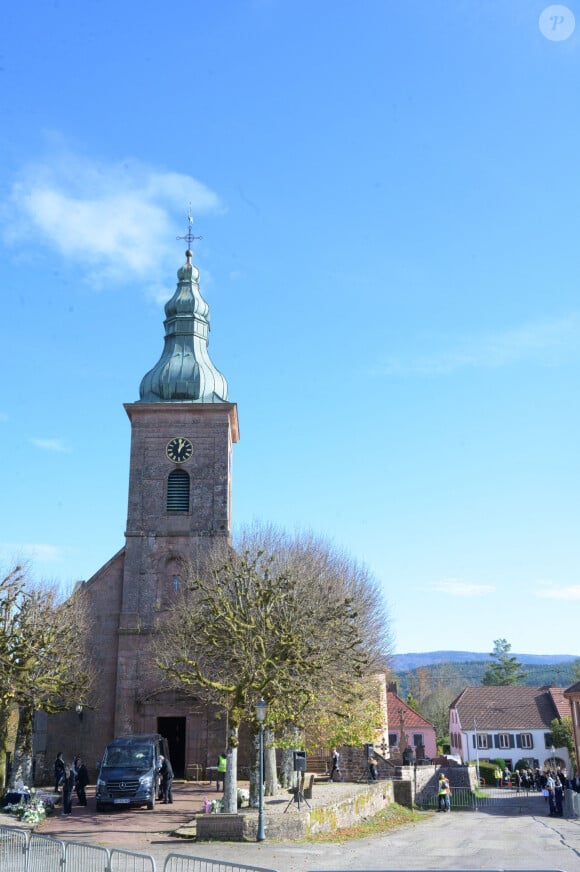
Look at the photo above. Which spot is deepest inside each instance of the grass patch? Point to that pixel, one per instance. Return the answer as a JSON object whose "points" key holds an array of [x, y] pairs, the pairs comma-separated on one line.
{"points": [[387, 819]]}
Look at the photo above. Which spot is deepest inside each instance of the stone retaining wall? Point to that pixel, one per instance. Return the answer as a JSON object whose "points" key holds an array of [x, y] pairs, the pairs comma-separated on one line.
{"points": [[295, 823]]}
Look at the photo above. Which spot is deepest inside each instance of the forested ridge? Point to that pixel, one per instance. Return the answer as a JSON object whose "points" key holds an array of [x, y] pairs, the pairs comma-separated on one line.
{"points": [[456, 676]]}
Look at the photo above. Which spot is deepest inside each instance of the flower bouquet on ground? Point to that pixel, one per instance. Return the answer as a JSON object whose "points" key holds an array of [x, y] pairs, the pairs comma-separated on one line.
{"points": [[30, 808]]}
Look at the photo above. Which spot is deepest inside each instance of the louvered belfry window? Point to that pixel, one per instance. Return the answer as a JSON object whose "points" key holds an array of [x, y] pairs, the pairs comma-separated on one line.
{"points": [[178, 491]]}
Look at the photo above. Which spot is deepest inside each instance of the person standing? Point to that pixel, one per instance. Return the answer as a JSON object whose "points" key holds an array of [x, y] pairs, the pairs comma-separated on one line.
{"points": [[166, 780], [335, 766], [550, 787], [81, 780], [444, 793], [68, 785], [373, 768], [58, 771], [220, 774]]}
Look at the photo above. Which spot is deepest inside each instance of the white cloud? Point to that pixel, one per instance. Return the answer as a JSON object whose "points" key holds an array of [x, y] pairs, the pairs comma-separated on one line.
{"points": [[547, 341], [552, 591], [455, 587], [120, 218], [30, 551], [49, 444]]}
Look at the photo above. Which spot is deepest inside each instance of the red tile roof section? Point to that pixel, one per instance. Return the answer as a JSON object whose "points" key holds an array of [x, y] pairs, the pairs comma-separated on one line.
{"points": [[412, 718], [511, 707]]}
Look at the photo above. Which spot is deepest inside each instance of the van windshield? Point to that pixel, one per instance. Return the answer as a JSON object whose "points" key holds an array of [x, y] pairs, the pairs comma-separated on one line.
{"points": [[133, 756]]}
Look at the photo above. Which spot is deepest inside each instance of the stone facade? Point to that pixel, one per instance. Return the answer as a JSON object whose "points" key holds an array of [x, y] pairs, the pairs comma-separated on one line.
{"points": [[128, 594]]}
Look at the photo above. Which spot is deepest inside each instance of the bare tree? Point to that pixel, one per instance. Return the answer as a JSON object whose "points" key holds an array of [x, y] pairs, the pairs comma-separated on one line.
{"points": [[43, 666], [286, 619]]}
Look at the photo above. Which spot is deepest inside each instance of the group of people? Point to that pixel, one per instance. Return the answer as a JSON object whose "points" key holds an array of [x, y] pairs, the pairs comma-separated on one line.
{"points": [[73, 777], [553, 785], [550, 782]]}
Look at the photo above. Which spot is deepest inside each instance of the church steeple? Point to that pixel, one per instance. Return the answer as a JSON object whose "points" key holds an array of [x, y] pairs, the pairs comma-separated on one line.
{"points": [[185, 372]]}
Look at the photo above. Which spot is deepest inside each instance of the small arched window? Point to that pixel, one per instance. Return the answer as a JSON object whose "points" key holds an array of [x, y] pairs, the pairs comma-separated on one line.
{"points": [[178, 491]]}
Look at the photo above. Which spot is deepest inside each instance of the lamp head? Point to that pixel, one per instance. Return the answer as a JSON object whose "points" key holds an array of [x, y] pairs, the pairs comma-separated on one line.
{"points": [[261, 709]]}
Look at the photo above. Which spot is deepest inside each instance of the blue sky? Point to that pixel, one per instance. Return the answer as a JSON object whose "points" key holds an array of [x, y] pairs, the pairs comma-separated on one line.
{"points": [[388, 196]]}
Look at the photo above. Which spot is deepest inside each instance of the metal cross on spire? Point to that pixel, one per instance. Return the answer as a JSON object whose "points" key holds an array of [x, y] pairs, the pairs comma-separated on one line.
{"points": [[189, 235]]}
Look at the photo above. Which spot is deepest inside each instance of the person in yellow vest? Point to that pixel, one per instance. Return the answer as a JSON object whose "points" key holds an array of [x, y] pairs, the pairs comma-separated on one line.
{"points": [[221, 772], [444, 793]]}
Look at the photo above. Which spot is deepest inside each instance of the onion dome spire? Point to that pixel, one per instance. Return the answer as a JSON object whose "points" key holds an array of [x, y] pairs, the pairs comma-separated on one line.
{"points": [[185, 372]]}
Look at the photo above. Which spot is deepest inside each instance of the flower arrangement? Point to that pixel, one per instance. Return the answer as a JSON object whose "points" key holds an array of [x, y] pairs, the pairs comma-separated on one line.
{"points": [[31, 811]]}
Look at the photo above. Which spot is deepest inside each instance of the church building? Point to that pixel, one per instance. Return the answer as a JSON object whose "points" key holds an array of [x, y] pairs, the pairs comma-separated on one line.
{"points": [[183, 429]]}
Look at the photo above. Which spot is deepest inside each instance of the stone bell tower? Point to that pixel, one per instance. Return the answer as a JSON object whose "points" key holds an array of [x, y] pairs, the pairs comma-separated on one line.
{"points": [[182, 432]]}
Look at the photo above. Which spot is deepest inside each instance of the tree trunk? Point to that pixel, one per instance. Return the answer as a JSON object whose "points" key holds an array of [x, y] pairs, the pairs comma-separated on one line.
{"points": [[22, 766], [270, 774], [287, 774], [231, 780], [255, 771], [4, 718]]}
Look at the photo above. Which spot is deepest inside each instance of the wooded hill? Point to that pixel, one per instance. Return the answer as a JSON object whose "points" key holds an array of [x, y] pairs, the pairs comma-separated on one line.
{"points": [[457, 675]]}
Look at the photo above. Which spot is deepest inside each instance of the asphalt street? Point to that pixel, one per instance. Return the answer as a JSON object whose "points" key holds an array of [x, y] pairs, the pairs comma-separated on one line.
{"points": [[459, 840]]}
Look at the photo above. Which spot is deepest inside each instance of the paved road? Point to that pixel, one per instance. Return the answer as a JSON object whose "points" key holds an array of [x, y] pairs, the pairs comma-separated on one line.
{"points": [[459, 840]]}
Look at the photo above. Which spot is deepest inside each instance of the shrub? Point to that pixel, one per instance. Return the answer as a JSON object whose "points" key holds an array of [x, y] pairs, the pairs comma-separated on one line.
{"points": [[487, 772]]}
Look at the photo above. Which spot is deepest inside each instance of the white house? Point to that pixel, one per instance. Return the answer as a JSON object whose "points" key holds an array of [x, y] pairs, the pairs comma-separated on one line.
{"points": [[512, 722]]}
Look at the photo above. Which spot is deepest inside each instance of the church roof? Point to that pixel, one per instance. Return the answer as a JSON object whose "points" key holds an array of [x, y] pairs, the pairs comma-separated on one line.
{"points": [[185, 373]]}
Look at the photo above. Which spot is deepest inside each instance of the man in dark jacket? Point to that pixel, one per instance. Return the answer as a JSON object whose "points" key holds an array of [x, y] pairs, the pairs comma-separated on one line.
{"points": [[58, 771], [166, 780], [81, 780]]}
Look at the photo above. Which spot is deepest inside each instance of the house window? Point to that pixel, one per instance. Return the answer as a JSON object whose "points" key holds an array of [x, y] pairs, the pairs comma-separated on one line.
{"points": [[527, 740], [176, 583], [482, 741], [178, 491], [392, 739], [504, 740], [548, 740], [417, 739]]}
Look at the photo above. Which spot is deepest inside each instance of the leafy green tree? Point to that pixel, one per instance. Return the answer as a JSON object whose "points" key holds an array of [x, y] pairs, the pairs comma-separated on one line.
{"points": [[412, 702], [289, 620], [576, 670], [506, 669], [563, 736]]}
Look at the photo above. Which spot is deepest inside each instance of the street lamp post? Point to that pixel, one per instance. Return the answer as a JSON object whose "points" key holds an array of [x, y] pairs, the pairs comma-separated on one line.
{"points": [[261, 708]]}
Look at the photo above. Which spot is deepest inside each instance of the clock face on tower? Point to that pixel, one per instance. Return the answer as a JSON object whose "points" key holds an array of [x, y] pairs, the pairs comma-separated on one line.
{"points": [[179, 449]]}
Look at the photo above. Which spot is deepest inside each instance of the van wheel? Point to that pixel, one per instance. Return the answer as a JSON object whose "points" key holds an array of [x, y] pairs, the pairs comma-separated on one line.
{"points": [[151, 804]]}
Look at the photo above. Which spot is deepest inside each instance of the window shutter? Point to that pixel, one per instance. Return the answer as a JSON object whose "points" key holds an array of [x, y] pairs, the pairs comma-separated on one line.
{"points": [[474, 742], [178, 491], [519, 740], [496, 740], [512, 741]]}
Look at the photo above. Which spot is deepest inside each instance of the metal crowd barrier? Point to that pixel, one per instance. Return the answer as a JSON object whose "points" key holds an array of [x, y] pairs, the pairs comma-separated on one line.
{"points": [[22, 851], [185, 863]]}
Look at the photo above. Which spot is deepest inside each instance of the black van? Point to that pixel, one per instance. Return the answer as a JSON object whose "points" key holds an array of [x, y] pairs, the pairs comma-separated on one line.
{"points": [[129, 771]]}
